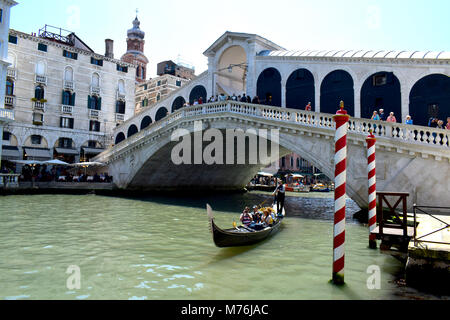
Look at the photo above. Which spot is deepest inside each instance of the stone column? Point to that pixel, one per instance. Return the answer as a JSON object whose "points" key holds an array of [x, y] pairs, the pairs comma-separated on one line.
{"points": [[317, 93], [357, 103], [405, 90], [283, 93]]}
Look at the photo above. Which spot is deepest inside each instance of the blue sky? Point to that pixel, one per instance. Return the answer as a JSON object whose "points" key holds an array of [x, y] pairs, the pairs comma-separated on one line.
{"points": [[187, 28]]}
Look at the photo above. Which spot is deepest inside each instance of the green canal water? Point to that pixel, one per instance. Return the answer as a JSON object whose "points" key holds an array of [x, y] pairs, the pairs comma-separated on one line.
{"points": [[161, 248]]}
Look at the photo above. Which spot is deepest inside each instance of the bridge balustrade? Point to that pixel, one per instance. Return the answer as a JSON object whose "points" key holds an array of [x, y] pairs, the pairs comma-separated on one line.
{"points": [[397, 131]]}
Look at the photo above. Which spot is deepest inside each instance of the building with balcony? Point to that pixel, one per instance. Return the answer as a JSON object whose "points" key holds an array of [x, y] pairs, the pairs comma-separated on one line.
{"points": [[65, 97], [152, 91]]}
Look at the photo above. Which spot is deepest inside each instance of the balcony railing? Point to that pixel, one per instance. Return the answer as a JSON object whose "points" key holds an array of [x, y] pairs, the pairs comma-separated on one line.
{"points": [[11, 72], [10, 101], [121, 95], [41, 79], [95, 90], [67, 109], [94, 114], [6, 114], [120, 117], [39, 106], [68, 84]]}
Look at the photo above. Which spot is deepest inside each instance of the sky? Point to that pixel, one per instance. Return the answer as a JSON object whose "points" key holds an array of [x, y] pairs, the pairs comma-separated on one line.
{"points": [[182, 28]]}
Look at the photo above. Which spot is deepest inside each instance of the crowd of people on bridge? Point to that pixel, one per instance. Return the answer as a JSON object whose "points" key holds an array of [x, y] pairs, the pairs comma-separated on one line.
{"points": [[222, 97], [433, 122]]}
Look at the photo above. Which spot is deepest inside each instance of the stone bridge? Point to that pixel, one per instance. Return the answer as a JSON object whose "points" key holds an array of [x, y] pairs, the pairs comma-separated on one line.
{"points": [[412, 159]]}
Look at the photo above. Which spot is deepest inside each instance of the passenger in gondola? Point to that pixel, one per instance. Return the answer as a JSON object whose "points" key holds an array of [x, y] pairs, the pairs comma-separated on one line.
{"points": [[268, 218], [246, 217], [256, 214]]}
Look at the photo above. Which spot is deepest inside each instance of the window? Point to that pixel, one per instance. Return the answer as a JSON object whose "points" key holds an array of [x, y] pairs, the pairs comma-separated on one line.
{"points": [[6, 136], [122, 68], [9, 87], [298, 163], [159, 83], [92, 144], [68, 74], [12, 39], [39, 92], [97, 62], [178, 83], [283, 162], [95, 82], [120, 107], [42, 47], [65, 143], [71, 55], [66, 123], [145, 86], [1, 15], [38, 119], [379, 80], [292, 162], [94, 103], [94, 126], [36, 140], [68, 98]]}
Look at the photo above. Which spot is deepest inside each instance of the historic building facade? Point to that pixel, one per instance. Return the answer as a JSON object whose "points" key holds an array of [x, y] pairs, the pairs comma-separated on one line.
{"points": [[176, 69], [152, 91], [66, 98], [135, 51]]}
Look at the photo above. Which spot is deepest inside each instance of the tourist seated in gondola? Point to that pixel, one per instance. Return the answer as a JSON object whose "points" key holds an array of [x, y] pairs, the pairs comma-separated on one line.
{"points": [[268, 218], [246, 217]]}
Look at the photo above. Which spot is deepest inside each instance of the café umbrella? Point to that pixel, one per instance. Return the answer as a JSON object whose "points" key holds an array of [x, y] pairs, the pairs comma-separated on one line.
{"points": [[56, 162]]}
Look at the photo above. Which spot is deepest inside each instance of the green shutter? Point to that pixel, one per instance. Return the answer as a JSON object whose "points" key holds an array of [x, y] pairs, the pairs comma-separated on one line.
{"points": [[100, 103], [89, 102], [72, 99], [71, 123]]}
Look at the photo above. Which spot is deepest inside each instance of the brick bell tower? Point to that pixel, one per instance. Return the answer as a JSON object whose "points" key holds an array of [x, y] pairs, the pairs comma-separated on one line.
{"points": [[135, 51]]}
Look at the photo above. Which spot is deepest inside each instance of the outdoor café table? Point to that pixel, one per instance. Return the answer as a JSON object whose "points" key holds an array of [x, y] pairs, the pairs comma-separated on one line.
{"points": [[90, 178], [62, 178]]}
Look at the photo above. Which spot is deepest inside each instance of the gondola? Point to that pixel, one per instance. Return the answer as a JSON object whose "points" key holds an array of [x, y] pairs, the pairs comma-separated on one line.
{"points": [[241, 235]]}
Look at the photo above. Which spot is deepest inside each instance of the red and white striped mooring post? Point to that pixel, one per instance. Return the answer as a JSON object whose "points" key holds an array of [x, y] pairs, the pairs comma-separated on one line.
{"points": [[340, 177], [372, 208]]}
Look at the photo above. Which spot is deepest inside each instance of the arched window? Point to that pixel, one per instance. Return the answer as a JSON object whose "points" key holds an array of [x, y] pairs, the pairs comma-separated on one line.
{"points": [[146, 122], [95, 82], [381, 91], [39, 92], [121, 86], [178, 103], [40, 68], [196, 93], [132, 130], [120, 137], [336, 87], [269, 87], [300, 90], [430, 98], [9, 87], [68, 74], [161, 113]]}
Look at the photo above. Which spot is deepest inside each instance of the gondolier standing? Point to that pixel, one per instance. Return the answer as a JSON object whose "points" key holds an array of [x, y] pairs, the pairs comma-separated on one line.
{"points": [[280, 193]]}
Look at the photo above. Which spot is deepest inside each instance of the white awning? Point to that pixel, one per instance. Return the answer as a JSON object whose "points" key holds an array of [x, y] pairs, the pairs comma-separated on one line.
{"points": [[67, 151], [92, 150], [10, 154], [38, 153]]}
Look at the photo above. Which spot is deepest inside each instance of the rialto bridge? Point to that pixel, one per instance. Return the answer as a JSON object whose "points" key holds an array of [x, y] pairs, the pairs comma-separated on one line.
{"points": [[410, 158], [413, 159]]}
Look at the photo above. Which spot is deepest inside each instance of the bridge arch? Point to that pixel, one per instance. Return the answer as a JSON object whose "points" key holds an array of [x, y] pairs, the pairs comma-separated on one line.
{"points": [[146, 121], [381, 90], [232, 70], [300, 89], [120, 137], [178, 103], [430, 97], [269, 85], [132, 130], [337, 86], [196, 93], [161, 113]]}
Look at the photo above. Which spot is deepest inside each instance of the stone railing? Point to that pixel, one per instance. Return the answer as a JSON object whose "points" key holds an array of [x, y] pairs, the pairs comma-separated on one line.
{"points": [[9, 180], [68, 85], [41, 79], [418, 135], [10, 101], [39, 106], [6, 114], [66, 109], [94, 114], [95, 90], [11, 72]]}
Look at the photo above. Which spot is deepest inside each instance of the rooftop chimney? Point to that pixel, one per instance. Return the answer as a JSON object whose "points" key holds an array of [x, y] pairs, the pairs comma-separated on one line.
{"points": [[109, 44]]}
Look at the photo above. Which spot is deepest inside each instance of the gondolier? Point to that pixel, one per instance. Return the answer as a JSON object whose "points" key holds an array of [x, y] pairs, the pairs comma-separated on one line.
{"points": [[280, 193]]}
